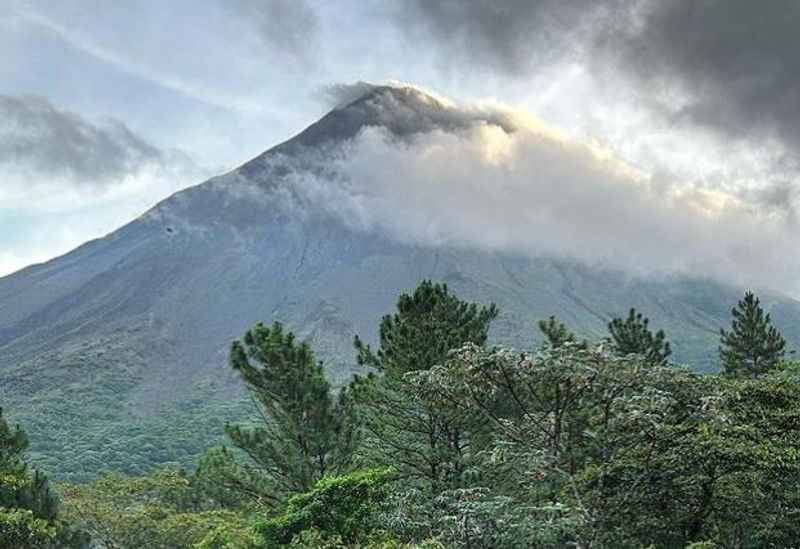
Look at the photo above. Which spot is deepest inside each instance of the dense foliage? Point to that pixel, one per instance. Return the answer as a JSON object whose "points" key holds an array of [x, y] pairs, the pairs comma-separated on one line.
{"points": [[164, 510], [89, 390], [342, 506], [28, 508], [448, 442]]}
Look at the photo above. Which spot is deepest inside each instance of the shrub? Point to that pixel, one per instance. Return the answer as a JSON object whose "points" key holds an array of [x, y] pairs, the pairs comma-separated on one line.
{"points": [[20, 529], [338, 506]]}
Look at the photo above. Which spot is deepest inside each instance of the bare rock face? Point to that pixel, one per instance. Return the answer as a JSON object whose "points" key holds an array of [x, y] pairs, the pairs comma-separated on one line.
{"points": [[114, 356]]}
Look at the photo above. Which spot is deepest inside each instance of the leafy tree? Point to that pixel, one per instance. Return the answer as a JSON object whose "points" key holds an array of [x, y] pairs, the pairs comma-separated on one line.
{"points": [[474, 517], [152, 512], [633, 336], [419, 436], [20, 529], [558, 402], [753, 346], [596, 449], [297, 440], [564, 417], [722, 452], [344, 507]]}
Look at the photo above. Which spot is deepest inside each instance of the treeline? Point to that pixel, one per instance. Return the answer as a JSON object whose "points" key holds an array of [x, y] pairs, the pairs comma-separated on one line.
{"points": [[448, 442]]}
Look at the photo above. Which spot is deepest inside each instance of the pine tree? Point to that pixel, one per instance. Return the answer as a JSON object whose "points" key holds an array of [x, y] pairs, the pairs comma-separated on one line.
{"points": [[13, 443], [557, 333], [428, 324], [633, 336], [20, 487], [402, 427], [753, 346], [297, 440]]}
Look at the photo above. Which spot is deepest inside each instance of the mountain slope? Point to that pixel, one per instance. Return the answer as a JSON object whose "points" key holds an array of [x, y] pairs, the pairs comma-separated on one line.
{"points": [[115, 355]]}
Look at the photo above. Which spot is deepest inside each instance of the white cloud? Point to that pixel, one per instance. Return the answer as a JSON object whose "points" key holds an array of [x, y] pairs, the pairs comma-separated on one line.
{"points": [[534, 191]]}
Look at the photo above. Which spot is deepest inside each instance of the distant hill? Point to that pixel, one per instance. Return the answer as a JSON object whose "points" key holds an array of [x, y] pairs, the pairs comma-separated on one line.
{"points": [[114, 356]]}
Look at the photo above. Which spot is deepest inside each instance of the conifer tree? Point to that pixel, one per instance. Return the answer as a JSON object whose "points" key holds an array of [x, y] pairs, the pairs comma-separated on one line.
{"points": [[297, 440], [13, 443], [753, 346], [423, 437], [427, 325], [20, 487], [633, 336], [28, 508], [557, 333]]}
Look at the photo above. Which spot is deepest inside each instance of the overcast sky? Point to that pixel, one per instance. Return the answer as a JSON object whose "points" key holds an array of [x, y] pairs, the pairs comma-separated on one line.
{"points": [[108, 107]]}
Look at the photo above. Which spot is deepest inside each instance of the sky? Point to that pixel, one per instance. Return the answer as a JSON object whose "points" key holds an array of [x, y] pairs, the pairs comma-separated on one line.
{"points": [[108, 107]]}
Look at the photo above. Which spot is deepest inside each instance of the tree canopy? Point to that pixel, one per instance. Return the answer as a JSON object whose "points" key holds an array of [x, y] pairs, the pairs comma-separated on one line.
{"points": [[448, 441]]}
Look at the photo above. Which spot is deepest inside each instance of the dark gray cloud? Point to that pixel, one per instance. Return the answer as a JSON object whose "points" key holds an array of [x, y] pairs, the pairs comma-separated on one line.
{"points": [[509, 36], [734, 64], [288, 26], [42, 140], [728, 65]]}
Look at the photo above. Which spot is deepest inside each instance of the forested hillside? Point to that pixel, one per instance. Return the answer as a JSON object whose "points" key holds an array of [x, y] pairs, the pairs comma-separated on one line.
{"points": [[451, 441], [408, 274], [114, 356]]}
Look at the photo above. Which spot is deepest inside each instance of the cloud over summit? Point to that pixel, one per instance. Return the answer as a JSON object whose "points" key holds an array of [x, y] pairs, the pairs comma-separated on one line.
{"points": [[732, 64], [728, 65], [527, 189]]}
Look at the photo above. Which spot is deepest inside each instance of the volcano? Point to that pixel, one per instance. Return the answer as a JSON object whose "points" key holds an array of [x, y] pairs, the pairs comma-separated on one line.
{"points": [[114, 356]]}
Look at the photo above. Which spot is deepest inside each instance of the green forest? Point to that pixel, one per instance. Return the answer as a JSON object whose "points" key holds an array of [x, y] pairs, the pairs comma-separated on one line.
{"points": [[447, 441]]}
